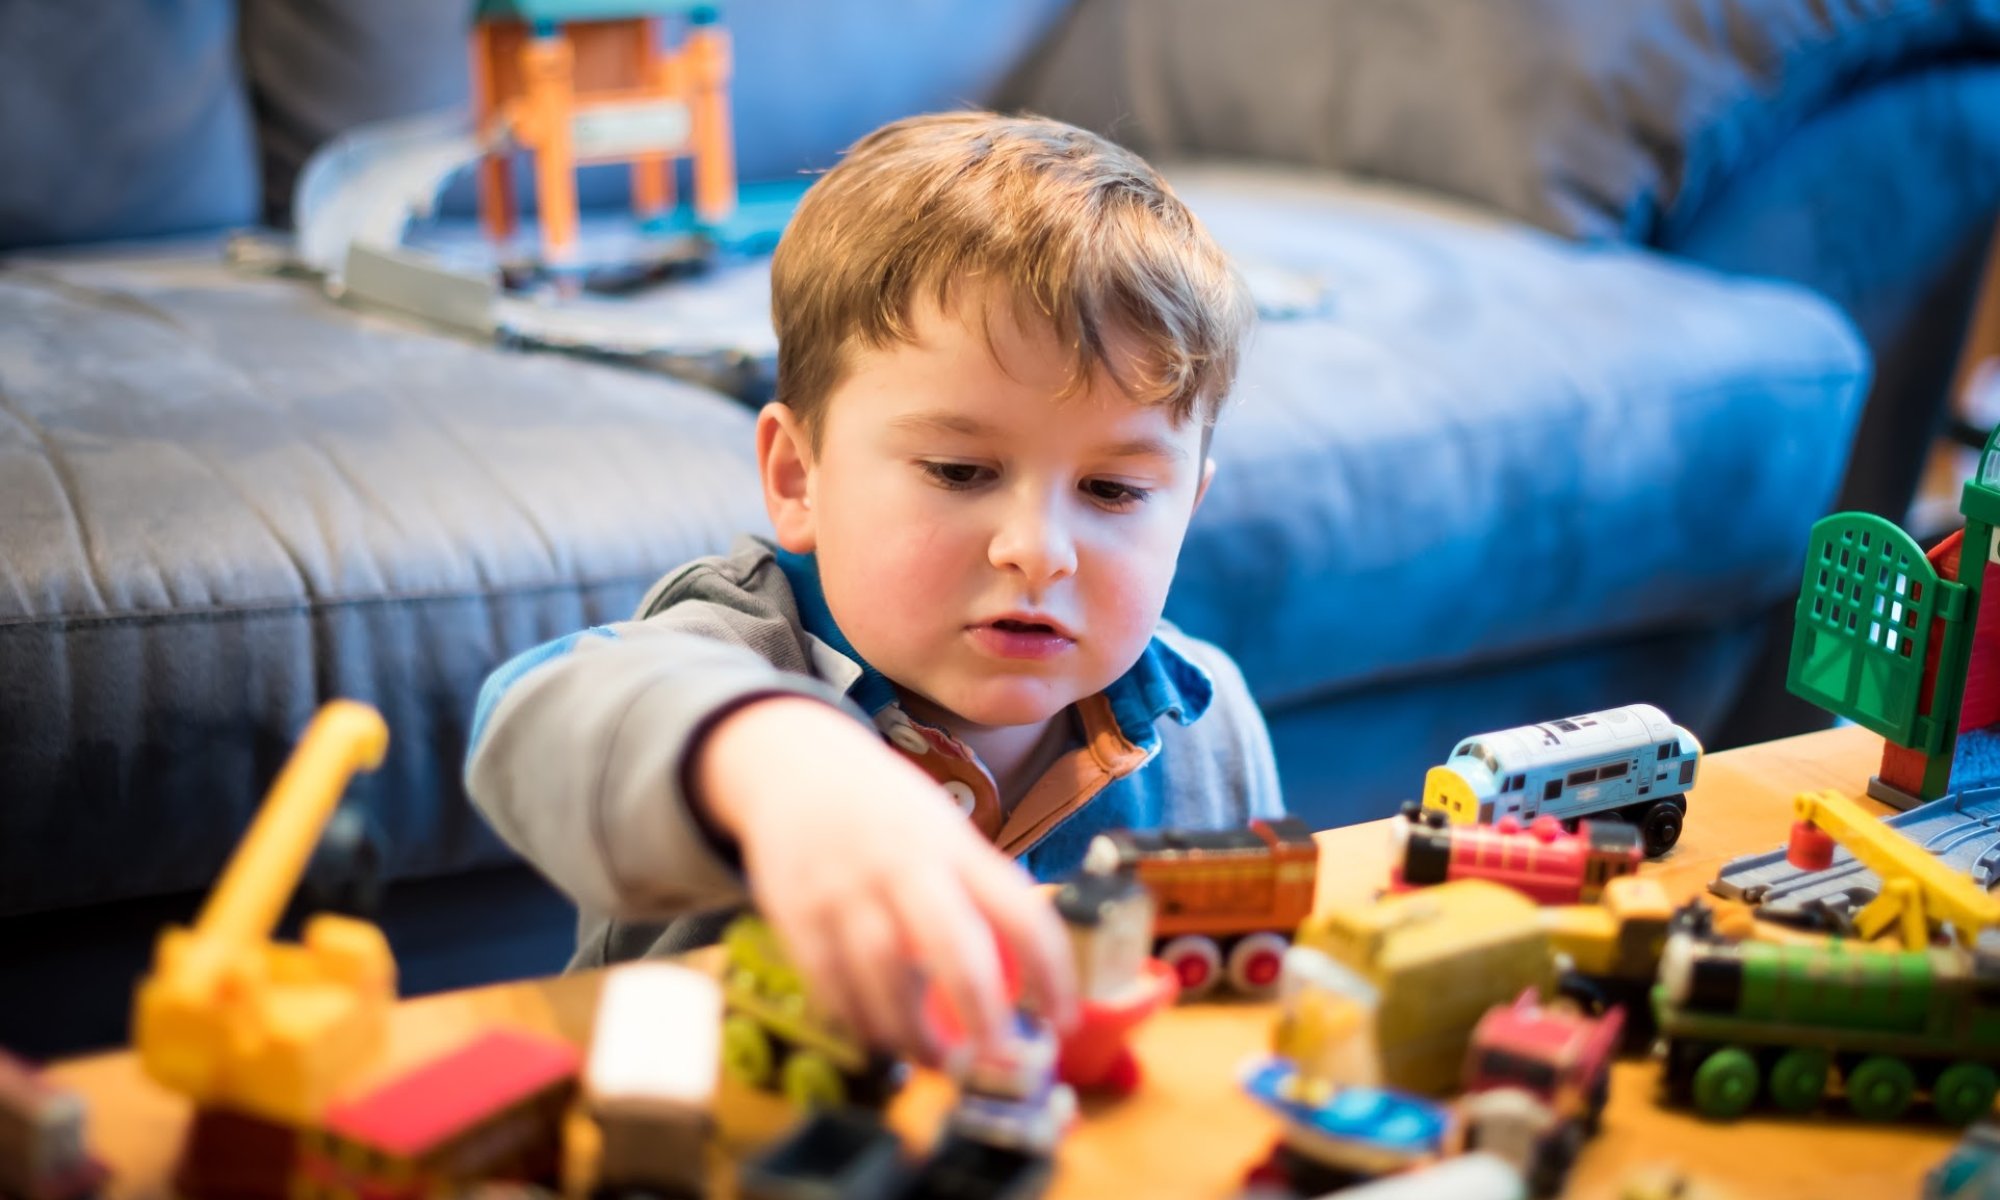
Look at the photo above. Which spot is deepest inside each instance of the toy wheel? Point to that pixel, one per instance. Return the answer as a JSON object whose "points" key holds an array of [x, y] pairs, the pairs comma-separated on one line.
{"points": [[1880, 1088], [747, 1056], [813, 1083], [1553, 1159], [1254, 963], [1660, 828], [1964, 1092], [1725, 1083], [1798, 1079], [1196, 960]]}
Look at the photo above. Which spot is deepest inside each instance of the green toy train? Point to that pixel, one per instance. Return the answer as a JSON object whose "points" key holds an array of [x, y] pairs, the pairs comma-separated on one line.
{"points": [[1786, 1021]]}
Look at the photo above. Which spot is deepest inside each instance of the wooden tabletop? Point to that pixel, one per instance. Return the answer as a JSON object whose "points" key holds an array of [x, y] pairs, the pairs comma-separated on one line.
{"points": [[1190, 1131]]}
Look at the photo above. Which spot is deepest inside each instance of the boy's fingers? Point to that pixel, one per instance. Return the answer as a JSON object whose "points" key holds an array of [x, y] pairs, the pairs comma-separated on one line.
{"points": [[813, 955], [1029, 924], [954, 948], [878, 972]]}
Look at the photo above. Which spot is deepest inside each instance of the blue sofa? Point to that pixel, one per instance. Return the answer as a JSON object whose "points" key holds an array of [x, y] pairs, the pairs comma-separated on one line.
{"points": [[1508, 444]]}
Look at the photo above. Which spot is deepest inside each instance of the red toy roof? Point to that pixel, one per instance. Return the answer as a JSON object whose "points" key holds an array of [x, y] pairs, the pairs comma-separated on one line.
{"points": [[446, 1095]]}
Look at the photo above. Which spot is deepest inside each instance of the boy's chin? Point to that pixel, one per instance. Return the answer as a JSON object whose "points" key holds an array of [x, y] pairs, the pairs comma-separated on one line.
{"points": [[1009, 706]]}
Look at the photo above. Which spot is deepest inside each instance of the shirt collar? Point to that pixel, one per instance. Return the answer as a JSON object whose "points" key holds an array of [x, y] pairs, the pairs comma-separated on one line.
{"points": [[1164, 682]]}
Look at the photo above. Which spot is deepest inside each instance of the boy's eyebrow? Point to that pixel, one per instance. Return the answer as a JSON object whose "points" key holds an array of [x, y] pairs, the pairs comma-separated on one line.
{"points": [[945, 422]]}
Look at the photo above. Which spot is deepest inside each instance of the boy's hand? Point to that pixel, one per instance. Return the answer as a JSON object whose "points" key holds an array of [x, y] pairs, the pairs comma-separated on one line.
{"points": [[874, 879]]}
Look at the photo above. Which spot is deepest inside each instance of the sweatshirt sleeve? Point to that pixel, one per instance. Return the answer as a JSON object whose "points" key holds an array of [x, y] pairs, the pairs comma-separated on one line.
{"points": [[579, 752]]}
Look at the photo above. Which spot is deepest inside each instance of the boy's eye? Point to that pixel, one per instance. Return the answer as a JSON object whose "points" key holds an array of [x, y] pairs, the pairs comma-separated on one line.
{"points": [[954, 474], [1114, 494]]}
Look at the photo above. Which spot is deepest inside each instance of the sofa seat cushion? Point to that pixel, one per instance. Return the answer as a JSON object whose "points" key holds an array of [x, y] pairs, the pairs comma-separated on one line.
{"points": [[1491, 443], [226, 499]]}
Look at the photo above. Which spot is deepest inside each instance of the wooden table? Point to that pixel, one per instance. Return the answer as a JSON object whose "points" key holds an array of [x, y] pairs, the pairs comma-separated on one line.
{"points": [[1189, 1131]]}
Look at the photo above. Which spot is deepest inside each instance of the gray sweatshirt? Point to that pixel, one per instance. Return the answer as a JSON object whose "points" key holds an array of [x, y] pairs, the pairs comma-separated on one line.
{"points": [[580, 747]]}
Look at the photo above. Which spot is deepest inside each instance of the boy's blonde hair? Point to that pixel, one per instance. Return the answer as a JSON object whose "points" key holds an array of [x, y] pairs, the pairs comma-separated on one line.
{"points": [[1081, 232]]}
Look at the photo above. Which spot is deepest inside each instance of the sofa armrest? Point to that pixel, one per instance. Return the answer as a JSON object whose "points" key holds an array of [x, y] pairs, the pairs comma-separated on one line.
{"points": [[1590, 119]]}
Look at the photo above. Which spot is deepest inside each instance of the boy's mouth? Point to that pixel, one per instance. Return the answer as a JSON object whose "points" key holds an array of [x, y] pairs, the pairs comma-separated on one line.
{"points": [[1023, 636]]}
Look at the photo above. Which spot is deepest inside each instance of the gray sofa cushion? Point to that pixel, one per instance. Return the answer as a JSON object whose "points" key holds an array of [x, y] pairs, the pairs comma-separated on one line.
{"points": [[1586, 117], [227, 500], [120, 120]]}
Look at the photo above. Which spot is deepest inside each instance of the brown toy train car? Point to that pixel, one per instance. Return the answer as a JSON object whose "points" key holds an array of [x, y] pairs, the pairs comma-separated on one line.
{"points": [[1227, 900]]}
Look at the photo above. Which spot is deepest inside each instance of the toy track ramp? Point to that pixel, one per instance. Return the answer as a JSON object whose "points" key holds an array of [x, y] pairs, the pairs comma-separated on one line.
{"points": [[364, 187]]}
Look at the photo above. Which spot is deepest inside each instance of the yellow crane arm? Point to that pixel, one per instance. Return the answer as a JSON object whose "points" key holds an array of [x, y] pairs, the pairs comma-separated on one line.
{"points": [[345, 737], [1917, 888]]}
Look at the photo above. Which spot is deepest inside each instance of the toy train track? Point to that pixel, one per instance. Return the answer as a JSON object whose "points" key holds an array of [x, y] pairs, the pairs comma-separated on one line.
{"points": [[1963, 830]]}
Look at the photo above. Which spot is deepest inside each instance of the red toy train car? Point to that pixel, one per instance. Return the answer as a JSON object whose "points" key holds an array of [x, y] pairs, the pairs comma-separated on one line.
{"points": [[1542, 860], [1227, 900], [490, 1110]]}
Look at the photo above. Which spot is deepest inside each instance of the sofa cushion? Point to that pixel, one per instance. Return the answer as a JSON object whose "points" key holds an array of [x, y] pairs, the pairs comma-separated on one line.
{"points": [[1497, 443], [227, 499], [1586, 117], [121, 120]]}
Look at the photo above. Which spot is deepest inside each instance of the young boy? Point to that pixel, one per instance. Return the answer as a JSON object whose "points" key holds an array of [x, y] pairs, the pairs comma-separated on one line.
{"points": [[1002, 342]]}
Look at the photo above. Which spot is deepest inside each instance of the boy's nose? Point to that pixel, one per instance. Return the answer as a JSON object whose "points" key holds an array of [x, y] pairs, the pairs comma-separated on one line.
{"points": [[1040, 548]]}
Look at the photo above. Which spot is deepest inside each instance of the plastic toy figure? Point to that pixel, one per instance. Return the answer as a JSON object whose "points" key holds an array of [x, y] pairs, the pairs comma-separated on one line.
{"points": [[650, 1083], [1011, 1096], [42, 1152], [772, 1034], [1536, 1081], [1785, 1021], [1110, 921], [1226, 901], [493, 1109], [1632, 764], [1541, 860]]}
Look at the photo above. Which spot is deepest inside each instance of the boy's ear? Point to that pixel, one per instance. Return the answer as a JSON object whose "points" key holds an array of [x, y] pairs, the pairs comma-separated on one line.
{"points": [[1201, 489], [784, 461]]}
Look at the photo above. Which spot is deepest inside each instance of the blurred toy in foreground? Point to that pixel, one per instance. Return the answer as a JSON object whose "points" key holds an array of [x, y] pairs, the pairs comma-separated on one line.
{"points": [[1541, 860], [1632, 764], [42, 1150], [1350, 1136], [1971, 1171], [1119, 984], [1437, 958], [1608, 953], [231, 1019], [1226, 901], [773, 1035], [1536, 1082], [1754, 1019], [650, 1084], [490, 1110]]}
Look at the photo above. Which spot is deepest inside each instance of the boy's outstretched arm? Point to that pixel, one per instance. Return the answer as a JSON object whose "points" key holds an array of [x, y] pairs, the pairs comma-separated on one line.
{"points": [[579, 760], [873, 877]]}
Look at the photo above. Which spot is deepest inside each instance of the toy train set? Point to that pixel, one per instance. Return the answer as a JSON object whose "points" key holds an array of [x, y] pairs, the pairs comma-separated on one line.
{"points": [[1458, 1028]]}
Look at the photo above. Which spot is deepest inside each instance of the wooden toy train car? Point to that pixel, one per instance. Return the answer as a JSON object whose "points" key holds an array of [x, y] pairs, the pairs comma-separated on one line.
{"points": [[1786, 1021], [1633, 764], [42, 1155], [1543, 861], [650, 1082], [491, 1110], [773, 1036], [1536, 1082], [1227, 900]]}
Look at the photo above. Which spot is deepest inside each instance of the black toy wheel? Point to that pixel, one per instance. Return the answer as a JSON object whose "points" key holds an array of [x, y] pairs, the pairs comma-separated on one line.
{"points": [[1660, 828]]}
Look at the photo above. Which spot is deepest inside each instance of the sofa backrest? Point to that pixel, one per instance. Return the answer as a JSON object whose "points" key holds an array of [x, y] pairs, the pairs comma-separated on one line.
{"points": [[151, 118]]}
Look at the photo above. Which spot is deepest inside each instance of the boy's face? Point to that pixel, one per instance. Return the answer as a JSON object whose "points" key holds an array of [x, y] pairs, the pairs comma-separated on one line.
{"points": [[991, 546]]}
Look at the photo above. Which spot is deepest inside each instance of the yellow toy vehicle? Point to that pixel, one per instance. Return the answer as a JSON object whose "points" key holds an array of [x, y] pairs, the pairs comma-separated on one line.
{"points": [[772, 1034]]}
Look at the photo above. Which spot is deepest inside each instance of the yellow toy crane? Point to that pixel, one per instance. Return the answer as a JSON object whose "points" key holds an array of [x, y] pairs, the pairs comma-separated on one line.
{"points": [[233, 1019], [1917, 889]]}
